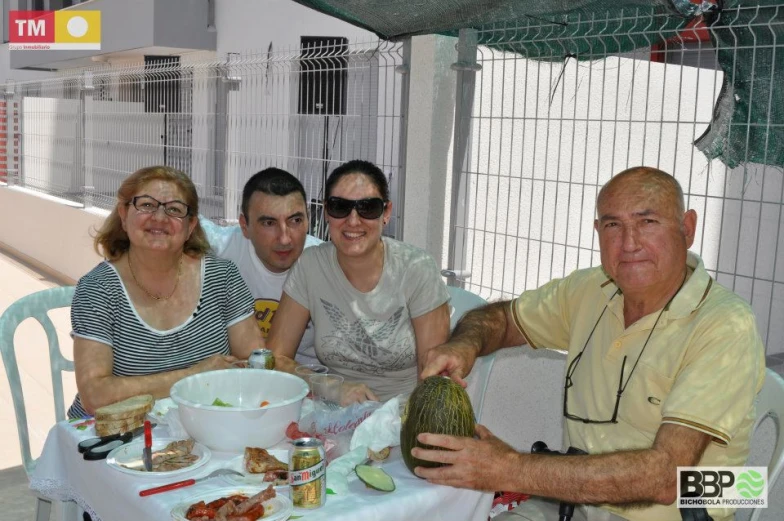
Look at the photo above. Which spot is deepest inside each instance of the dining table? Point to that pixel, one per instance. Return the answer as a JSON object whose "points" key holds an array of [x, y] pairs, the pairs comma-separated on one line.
{"points": [[107, 494]]}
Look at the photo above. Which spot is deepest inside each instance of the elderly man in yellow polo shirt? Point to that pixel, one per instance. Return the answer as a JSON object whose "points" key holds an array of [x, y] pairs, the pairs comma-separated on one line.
{"points": [[663, 367]]}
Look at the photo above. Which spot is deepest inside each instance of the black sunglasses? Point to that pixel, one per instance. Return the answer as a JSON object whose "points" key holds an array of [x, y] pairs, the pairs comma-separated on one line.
{"points": [[370, 208], [621, 384], [573, 367]]}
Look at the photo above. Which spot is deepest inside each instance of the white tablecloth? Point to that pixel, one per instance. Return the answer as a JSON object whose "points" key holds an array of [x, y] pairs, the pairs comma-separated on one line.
{"points": [[109, 495]]}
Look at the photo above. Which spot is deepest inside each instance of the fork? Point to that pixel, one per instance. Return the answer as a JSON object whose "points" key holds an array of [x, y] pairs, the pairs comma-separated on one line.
{"points": [[329, 405], [189, 482]]}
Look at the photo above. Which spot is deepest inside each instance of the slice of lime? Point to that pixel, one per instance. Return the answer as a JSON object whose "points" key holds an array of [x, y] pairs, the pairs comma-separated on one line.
{"points": [[375, 478]]}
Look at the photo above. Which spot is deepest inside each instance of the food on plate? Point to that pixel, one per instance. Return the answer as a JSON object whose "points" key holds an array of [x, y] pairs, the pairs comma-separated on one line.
{"points": [[264, 403], [375, 478], [380, 455], [175, 456], [259, 461], [438, 405], [123, 416], [231, 508]]}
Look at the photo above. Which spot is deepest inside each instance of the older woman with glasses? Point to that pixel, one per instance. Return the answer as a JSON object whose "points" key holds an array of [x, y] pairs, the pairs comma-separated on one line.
{"points": [[159, 308], [377, 304]]}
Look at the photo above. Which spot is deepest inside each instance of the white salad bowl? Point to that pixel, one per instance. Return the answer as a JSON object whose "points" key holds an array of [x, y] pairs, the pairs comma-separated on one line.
{"points": [[242, 422]]}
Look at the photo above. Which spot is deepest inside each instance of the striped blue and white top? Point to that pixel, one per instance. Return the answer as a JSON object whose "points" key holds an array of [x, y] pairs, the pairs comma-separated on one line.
{"points": [[102, 311]]}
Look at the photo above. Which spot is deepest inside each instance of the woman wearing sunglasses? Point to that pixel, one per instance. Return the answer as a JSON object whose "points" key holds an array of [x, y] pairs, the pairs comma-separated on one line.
{"points": [[159, 308], [378, 305]]}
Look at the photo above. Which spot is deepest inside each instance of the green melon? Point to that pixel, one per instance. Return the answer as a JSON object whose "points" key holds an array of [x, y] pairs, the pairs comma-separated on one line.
{"points": [[375, 478], [438, 405]]}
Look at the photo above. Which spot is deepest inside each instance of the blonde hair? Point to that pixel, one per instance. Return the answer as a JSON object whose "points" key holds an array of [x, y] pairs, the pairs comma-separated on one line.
{"points": [[111, 241]]}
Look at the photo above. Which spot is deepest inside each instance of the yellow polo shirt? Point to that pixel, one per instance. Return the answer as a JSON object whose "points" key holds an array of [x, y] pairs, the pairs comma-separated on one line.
{"points": [[702, 368]]}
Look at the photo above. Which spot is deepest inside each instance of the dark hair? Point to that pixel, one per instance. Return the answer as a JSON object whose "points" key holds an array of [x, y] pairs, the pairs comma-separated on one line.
{"points": [[112, 241], [271, 181], [358, 166]]}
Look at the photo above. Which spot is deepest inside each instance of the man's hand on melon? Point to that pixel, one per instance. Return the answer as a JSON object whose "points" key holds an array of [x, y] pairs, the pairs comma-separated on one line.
{"points": [[486, 463], [453, 359]]}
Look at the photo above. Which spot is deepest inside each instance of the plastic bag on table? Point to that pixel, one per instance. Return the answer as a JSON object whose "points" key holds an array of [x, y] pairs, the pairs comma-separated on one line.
{"points": [[335, 426]]}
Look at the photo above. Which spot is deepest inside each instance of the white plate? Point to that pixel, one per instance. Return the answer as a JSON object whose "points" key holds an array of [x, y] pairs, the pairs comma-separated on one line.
{"points": [[248, 478], [159, 410], [278, 508], [131, 454]]}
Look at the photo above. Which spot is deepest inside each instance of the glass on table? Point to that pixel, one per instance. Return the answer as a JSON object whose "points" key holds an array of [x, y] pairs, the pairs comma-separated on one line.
{"points": [[326, 390], [305, 371]]}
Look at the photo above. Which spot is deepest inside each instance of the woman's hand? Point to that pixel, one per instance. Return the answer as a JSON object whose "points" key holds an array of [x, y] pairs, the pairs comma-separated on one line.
{"points": [[354, 392], [214, 363], [98, 387]]}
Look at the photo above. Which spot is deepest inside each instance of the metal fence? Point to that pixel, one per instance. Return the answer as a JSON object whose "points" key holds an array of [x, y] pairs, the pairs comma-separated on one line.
{"points": [[540, 136], [305, 110]]}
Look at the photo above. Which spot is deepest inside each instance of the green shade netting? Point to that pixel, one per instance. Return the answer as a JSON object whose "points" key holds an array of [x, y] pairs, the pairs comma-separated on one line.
{"points": [[748, 121]]}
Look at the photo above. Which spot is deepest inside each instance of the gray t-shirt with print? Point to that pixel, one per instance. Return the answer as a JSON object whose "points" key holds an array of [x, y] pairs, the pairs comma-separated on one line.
{"points": [[368, 337]]}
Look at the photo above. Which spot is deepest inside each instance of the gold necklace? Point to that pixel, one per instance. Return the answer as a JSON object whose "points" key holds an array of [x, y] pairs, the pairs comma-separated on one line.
{"points": [[176, 282]]}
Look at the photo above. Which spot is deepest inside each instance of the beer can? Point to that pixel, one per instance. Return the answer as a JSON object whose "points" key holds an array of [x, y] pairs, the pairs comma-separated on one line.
{"points": [[261, 359], [308, 473]]}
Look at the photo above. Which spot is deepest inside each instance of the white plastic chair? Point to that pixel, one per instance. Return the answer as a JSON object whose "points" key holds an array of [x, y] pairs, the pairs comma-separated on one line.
{"points": [[461, 302], [35, 306], [770, 403]]}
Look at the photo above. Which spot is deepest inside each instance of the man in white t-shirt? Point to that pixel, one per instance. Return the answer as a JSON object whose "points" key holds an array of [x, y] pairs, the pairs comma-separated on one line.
{"points": [[269, 240]]}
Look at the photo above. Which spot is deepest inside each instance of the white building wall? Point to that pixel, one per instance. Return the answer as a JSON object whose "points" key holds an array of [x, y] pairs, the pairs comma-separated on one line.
{"points": [[55, 234], [124, 138], [538, 154], [203, 128], [250, 24], [546, 136], [7, 73], [264, 128], [48, 144]]}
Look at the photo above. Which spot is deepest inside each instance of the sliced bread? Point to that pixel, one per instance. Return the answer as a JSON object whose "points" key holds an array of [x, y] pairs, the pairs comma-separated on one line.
{"points": [[132, 407], [108, 427]]}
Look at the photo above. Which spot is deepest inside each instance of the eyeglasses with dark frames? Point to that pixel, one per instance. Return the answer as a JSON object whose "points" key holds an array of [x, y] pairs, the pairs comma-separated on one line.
{"points": [[370, 208], [621, 384], [148, 204]]}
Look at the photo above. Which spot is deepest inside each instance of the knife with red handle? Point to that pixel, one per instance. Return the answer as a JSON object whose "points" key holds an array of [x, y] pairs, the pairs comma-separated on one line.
{"points": [[188, 482], [147, 452], [166, 488]]}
